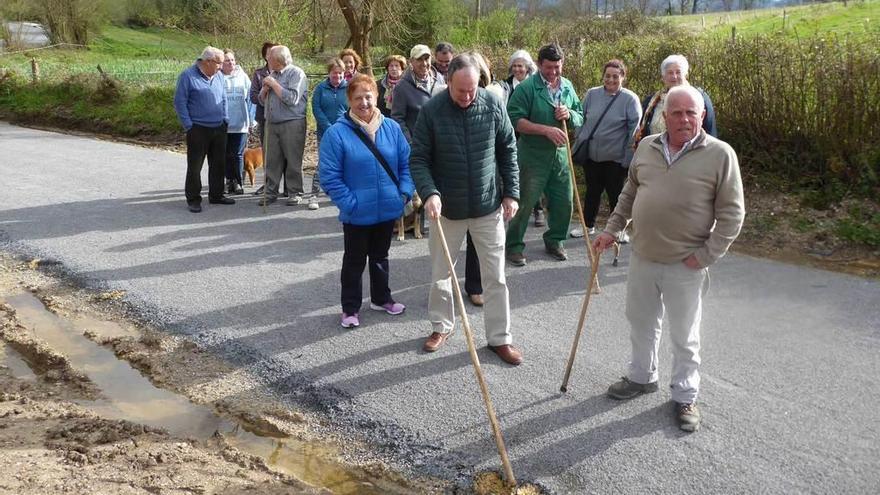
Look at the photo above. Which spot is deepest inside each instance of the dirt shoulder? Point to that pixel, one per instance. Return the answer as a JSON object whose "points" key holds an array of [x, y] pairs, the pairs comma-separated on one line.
{"points": [[54, 436]]}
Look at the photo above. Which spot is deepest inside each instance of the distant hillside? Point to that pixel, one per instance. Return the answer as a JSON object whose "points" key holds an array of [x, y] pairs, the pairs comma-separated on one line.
{"points": [[856, 18]]}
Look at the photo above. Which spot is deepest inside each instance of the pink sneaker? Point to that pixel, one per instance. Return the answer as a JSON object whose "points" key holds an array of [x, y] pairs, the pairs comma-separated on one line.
{"points": [[350, 320], [391, 307]]}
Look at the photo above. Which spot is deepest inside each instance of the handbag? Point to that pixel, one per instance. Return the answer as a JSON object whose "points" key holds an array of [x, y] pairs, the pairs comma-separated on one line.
{"points": [[408, 206], [582, 153]]}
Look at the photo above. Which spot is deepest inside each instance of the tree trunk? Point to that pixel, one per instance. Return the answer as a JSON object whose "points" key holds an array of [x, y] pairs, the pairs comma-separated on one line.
{"points": [[694, 10], [360, 27]]}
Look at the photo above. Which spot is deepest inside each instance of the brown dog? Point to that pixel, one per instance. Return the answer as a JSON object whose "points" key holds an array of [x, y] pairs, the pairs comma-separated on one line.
{"points": [[253, 159], [411, 221]]}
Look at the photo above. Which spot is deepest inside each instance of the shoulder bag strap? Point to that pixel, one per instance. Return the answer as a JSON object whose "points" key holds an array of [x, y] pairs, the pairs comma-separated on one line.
{"points": [[372, 147], [603, 115]]}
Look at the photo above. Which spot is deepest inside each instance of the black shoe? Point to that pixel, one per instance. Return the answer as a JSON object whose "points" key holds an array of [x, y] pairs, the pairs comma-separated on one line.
{"points": [[237, 189], [259, 191], [222, 200], [194, 207], [625, 389], [268, 200]]}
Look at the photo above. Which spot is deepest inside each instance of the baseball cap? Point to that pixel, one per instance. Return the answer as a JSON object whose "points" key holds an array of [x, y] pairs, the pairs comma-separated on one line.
{"points": [[419, 51]]}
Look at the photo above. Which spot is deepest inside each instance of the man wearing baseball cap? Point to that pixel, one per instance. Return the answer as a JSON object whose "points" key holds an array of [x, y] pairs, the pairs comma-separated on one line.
{"points": [[418, 84]]}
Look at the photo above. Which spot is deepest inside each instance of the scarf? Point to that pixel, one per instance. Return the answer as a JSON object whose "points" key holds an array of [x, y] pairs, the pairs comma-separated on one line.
{"points": [[389, 89], [371, 127]]}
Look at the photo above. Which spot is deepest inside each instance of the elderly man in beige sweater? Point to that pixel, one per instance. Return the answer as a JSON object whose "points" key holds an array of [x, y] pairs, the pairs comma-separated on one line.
{"points": [[684, 194]]}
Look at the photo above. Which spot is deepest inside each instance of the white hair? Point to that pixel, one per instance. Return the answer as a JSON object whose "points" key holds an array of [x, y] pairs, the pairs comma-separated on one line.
{"points": [[281, 53], [211, 53], [523, 55], [678, 60], [691, 91]]}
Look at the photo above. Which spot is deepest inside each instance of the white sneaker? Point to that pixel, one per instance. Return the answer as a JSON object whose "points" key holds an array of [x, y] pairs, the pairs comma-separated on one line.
{"points": [[313, 203], [576, 233]]}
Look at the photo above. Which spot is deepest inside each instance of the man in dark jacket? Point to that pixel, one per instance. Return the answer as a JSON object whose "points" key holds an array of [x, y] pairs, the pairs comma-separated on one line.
{"points": [[418, 84], [463, 162]]}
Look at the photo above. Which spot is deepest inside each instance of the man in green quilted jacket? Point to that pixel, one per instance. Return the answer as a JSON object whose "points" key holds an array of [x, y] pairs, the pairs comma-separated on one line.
{"points": [[537, 109], [463, 162]]}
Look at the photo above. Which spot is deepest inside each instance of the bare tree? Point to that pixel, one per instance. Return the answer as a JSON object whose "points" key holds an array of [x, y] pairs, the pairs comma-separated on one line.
{"points": [[360, 27], [365, 17], [69, 21]]}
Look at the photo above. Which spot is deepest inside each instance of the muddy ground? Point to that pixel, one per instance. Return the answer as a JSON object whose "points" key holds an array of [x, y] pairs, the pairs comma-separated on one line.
{"points": [[53, 441]]}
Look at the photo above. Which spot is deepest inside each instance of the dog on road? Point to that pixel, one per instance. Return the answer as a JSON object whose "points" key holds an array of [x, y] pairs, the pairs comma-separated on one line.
{"points": [[411, 221], [253, 159]]}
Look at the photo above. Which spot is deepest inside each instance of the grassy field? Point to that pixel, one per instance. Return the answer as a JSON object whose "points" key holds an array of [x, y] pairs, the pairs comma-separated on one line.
{"points": [[856, 18], [148, 56]]}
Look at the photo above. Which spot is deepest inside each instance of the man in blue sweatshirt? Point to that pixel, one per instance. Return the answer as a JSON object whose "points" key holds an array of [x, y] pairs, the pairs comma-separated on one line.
{"points": [[200, 103]]}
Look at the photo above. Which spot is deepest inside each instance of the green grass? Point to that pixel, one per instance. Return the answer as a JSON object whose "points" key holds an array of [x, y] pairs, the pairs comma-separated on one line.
{"points": [[857, 18]]}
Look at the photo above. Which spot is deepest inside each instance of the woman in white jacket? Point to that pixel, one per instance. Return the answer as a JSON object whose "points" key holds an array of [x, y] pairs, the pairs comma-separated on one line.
{"points": [[241, 118]]}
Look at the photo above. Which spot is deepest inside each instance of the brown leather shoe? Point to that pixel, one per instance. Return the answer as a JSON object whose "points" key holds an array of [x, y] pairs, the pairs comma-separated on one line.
{"points": [[516, 259], [476, 299], [508, 353], [558, 253], [435, 341]]}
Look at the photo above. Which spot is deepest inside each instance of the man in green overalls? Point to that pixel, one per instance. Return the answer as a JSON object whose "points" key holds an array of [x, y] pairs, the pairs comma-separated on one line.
{"points": [[537, 108]]}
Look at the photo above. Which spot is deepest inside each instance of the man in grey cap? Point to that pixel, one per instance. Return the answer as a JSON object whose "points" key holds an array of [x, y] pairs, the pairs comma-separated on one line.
{"points": [[418, 84]]}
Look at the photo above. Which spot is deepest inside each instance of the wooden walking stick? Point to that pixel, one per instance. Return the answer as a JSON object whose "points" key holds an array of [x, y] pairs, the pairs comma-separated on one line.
{"points": [[265, 145], [496, 430], [594, 282], [594, 267]]}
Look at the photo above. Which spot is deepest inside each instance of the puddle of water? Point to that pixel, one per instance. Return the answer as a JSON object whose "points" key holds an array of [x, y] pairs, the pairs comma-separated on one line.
{"points": [[106, 329], [16, 364], [130, 396]]}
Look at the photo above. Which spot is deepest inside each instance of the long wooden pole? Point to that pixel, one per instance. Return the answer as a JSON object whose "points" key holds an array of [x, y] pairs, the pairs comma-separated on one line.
{"points": [[493, 420], [580, 209], [594, 267]]}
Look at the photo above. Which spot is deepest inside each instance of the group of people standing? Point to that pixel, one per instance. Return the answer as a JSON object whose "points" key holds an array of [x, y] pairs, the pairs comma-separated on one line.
{"points": [[476, 149]]}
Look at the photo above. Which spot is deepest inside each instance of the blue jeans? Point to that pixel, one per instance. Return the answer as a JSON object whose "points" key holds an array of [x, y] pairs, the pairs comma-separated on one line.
{"points": [[235, 143]]}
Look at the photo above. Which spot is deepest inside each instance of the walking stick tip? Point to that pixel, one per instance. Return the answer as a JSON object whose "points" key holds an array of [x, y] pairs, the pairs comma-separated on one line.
{"points": [[563, 389]]}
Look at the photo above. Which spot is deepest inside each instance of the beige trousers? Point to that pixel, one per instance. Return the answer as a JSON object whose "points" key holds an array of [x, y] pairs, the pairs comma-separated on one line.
{"points": [[488, 235], [655, 288]]}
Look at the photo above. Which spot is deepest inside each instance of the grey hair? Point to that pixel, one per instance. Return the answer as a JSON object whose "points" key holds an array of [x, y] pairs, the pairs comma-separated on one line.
{"points": [[211, 53], [526, 58], [461, 62], [678, 60], [281, 53], [689, 90]]}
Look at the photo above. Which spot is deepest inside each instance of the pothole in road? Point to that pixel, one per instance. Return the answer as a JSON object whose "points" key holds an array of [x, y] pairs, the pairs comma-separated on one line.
{"points": [[125, 394]]}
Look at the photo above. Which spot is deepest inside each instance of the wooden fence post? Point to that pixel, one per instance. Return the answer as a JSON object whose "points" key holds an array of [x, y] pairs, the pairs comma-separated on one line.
{"points": [[35, 70]]}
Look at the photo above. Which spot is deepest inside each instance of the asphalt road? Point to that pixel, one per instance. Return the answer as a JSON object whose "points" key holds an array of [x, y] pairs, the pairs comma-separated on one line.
{"points": [[790, 394]]}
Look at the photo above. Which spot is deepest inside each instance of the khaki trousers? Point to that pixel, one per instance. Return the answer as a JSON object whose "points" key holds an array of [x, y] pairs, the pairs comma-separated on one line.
{"points": [[655, 288], [487, 233]]}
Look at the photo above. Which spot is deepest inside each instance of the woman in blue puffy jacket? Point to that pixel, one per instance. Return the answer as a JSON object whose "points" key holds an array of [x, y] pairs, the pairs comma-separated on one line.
{"points": [[368, 197]]}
